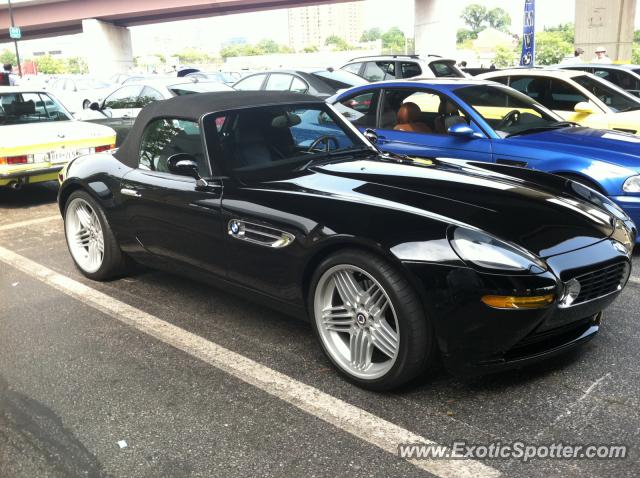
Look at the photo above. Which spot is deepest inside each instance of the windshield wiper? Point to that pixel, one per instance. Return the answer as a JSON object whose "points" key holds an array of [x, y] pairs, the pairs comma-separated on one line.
{"points": [[536, 129], [335, 154]]}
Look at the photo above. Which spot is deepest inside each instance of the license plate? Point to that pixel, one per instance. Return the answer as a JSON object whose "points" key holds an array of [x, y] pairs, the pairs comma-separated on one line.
{"points": [[63, 156]]}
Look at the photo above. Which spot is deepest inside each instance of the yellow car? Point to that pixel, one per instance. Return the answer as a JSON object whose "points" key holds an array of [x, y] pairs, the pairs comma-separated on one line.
{"points": [[38, 137], [576, 96]]}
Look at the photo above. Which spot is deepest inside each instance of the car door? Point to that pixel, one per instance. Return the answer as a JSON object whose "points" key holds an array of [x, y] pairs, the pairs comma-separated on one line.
{"points": [[147, 96], [174, 218], [251, 83], [118, 110], [278, 82], [426, 132]]}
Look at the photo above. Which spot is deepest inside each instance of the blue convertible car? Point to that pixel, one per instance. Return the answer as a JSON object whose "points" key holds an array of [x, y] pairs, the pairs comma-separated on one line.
{"points": [[486, 121]]}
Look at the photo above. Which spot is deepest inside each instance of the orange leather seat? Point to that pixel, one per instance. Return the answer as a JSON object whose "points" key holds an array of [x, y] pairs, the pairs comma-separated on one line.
{"points": [[407, 117]]}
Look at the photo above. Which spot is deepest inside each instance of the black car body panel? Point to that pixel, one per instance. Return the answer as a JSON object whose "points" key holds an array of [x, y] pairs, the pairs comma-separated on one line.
{"points": [[400, 209]]}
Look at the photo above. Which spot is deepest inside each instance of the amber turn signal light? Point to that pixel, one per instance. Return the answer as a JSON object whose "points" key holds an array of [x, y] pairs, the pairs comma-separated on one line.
{"points": [[514, 302]]}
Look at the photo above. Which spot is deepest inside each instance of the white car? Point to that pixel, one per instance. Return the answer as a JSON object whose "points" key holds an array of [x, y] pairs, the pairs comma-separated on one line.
{"points": [[77, 93], [391, 67], [120, 108], [38, 136]]}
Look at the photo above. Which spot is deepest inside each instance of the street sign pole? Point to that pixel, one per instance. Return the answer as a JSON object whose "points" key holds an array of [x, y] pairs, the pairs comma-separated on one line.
{"points": [[15, 41]]}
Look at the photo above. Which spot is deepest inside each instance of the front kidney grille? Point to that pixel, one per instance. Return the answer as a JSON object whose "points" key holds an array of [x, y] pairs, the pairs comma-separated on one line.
{"points": [[601, 282]]}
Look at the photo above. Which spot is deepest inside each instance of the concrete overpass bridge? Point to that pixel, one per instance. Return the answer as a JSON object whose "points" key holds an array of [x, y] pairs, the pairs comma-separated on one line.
{"points": [[105, 23]]}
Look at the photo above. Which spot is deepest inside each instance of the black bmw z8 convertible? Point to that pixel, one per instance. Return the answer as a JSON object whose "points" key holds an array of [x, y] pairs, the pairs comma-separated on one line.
{"points": [[394, 260]]}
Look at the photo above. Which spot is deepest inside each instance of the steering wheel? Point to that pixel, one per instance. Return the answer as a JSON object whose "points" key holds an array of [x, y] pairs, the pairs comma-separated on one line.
{"points": [[324, 139], [510, 119]]}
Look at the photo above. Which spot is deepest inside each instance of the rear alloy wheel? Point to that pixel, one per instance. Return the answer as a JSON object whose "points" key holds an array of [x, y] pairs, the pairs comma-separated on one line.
{"points": [[369, 320], [90, 240]]}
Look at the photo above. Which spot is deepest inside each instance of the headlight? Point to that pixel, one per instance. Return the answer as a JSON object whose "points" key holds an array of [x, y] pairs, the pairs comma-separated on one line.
{"points": [[487, 252], [632, 185], [624, 236]]}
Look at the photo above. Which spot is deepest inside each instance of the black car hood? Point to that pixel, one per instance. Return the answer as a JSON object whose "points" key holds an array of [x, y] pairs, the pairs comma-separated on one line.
{"points": [[544, 220]]}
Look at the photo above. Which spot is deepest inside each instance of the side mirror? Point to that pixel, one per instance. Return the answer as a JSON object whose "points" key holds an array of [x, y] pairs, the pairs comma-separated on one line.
{"points": [[371, 135], [184, 165], [584, 107], [461, 131]]}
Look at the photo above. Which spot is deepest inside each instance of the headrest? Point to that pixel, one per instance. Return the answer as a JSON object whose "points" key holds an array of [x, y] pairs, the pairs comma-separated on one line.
{"points": [[20, 108], [286, 120], [408, 113]]}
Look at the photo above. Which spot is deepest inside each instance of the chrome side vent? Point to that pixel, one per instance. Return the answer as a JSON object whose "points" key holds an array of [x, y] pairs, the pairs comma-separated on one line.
{"points": [[258, 234]]}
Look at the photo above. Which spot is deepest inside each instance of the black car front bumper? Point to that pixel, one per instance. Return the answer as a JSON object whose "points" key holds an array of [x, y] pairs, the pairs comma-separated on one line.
{"points": [[475, 338]]}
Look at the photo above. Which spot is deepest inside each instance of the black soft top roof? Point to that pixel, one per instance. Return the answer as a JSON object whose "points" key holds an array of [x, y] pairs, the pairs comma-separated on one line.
{"points": [[195, 106]]}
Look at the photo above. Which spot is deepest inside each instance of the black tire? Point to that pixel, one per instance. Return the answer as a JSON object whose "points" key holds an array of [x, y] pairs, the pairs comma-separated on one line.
{"points": [[114, 263], [417, 349]]}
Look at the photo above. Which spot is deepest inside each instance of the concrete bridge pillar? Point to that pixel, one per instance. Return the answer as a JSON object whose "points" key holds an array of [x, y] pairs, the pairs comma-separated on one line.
{"points": [[435, 27], [109, 48], [608, 23]]}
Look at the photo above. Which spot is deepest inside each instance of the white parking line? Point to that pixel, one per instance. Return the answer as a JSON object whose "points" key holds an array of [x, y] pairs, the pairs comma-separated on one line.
{"points": [[634, 280], [360, 423], [30, 222]]}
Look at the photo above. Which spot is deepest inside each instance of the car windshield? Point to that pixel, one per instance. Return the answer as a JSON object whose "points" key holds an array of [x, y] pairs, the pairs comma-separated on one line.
{"points": [[507, 111], [281, 139], [200, 87], [24, 108], [616, 99], [339, 79]]}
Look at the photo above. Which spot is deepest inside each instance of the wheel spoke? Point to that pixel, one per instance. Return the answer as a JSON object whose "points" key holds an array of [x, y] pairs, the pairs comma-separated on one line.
{"points": [[84, 216], [361, 349], [338, 319], [384, 338], [347, 288]]}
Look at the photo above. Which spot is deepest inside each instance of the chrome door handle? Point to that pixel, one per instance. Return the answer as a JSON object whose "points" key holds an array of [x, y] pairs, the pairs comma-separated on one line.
{"points": [[130, 192]]}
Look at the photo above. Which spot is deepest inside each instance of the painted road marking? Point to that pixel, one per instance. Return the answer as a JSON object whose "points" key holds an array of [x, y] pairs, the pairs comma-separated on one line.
{"points": [[30, 222], [360, 423]]}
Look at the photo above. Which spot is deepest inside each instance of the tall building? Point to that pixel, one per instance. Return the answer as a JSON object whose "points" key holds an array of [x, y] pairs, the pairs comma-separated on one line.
{"points": [[312, 25]]}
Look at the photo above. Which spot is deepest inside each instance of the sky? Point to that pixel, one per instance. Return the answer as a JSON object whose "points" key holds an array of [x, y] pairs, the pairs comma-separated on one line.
{"points": [[209, 33]]}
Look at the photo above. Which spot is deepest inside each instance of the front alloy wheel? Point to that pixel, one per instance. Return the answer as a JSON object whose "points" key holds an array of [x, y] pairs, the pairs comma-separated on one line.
{"points": [[369, 320], [84, 235], [90, 240]]}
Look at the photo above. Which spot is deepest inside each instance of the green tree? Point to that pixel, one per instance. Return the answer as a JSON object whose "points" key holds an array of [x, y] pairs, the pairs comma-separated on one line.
{"points": [[567, 31], [499, 19], [76, 65], [504, 56], [7, 56], [393, 40], [475, 16], [464, 34], [268, 47], [192, 55], [338, 43], [310, 49], [49, 65], [636, 36], [635, 53], [551, 48], [372, 34]]}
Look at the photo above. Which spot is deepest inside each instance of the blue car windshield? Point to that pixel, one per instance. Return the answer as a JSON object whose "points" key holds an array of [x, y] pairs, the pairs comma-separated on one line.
{"points": [[508, 111]]}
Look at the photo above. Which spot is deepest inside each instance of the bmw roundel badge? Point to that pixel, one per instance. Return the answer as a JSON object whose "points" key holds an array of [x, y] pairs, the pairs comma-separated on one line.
{"points": [[234, 227]]}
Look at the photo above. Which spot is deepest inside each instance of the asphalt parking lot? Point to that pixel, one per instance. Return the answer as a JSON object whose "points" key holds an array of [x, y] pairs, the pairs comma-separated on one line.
{"points": [[76, 378]]}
